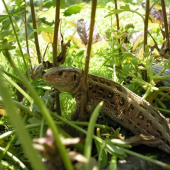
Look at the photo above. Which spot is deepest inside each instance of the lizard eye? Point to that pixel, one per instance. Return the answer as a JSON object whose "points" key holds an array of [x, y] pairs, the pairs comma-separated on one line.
{"points": [[60, 73], [74, 77]]}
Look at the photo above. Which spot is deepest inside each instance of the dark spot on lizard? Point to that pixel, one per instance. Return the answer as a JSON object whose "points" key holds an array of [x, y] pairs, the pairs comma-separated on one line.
{"points": [[135, 127], [94, 91], [142, 106], [167, 142], [167, 131], [112, 103], [160, 133], [101, 90], [90, 87], [130, 121], [161, 121], [130, 108], [94, 78], [164, 140], [124, 112], [140, 115], [138, 124], [119, 88], [148, 131], [101, 80], [110, 95], [149, 123], [122, 101], [153, 114], [108, 83]]}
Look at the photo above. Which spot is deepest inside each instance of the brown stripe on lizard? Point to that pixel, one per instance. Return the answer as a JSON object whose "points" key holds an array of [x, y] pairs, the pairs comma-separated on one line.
{"points": [[120, 104]]}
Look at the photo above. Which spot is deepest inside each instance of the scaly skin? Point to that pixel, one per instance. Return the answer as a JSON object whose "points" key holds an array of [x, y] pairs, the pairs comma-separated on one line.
{"points": [[120, 104]]}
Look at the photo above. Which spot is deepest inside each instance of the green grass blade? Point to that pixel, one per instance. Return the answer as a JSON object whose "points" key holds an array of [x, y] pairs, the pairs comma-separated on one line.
{"points": [[19, 126], [89, 137]]}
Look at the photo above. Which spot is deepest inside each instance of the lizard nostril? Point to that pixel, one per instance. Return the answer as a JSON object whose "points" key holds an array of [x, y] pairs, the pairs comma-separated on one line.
{"points": [[60, 73]]}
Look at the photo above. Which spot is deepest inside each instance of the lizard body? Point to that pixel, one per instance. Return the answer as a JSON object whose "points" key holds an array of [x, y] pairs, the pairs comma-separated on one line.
{"points": [[120, 104]]}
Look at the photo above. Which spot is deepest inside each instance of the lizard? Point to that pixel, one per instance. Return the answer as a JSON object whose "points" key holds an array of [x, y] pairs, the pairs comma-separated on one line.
{"points": [[123, 106]]}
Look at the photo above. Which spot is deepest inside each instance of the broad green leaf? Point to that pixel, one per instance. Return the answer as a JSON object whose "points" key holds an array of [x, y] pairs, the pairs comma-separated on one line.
{"points": [[74, 9], [119, 142], [29, 31], [113, 149], [48, 15], [137, 41], [3, 17], [77, 41], [125, 8], [100, 45], [48, 37], [71, 23], [45, 28], [122, 9], [50, 3], [10, 38], [6, 46], [154, 26]]}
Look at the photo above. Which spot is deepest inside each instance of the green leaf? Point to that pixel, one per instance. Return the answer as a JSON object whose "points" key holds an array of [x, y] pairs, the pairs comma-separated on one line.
{"points": [[113, 162], [119, 142], [6, 46], [112, 149], [45, 28], [89, 137], [20, 3], [50, 3], [21, 33], [48, 15], [74, 9], [3, 17], [114, 12], [10, 38], [125, 8]]}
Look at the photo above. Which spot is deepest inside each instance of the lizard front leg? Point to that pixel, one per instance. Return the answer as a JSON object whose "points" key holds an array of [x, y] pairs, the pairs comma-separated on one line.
{"points": [[87, 110], [81, 95]]}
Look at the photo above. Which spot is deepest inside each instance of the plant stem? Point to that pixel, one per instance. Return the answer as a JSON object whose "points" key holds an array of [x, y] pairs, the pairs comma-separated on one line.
{"points": [[146, 23], [54, 45], [146, 158], [117, 21], [165, 23], [26, 40], [35, 33], [87, 60], [12, 156], [92, 22], [56, 28]]}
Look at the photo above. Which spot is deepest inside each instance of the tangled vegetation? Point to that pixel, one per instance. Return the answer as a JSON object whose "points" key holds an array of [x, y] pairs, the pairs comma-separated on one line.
{"points": [[124, 42]]}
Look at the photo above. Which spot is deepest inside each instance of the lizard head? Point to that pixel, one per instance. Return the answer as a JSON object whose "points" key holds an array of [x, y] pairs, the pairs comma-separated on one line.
{"points": [[64, 79]]}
